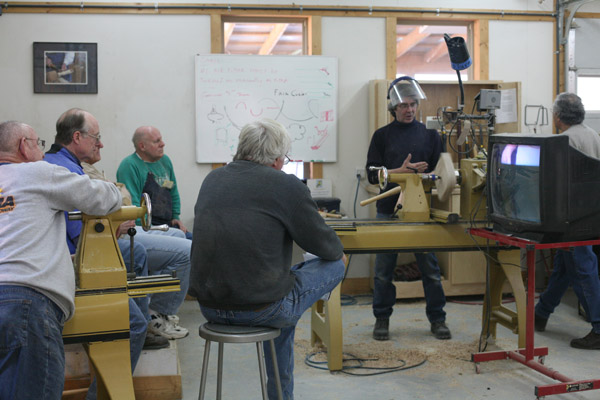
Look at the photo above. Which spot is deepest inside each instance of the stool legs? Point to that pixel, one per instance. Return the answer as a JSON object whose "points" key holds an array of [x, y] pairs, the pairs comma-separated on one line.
{"points": [[261, 367], [220, 372], [276, 370], [262, 370], [204, 370]]}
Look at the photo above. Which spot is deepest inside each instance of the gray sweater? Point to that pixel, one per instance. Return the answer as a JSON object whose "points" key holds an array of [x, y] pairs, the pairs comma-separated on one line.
{"points": [[584, 139], [247, 217], [33, 250]]}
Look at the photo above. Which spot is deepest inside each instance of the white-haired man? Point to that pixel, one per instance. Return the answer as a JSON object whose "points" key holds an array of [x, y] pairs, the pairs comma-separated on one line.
{"points": [[247, 216]]}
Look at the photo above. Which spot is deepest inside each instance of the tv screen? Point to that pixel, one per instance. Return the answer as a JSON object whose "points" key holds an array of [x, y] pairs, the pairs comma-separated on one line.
{"points": [[541, 188], [517, 192]]}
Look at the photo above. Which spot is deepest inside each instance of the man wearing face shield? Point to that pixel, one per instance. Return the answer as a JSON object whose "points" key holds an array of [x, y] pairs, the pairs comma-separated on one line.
{"points": [[404, 146]]}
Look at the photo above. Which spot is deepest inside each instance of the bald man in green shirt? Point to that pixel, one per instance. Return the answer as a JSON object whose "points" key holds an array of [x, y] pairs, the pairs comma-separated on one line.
{"points": [[149, 170]]}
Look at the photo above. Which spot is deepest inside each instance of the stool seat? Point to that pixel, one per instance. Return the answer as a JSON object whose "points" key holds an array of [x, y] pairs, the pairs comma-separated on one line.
{"points": [[237, 333], [222, 333]]}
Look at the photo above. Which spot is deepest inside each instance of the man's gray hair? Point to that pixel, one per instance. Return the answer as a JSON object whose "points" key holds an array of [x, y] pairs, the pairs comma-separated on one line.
{"points": [[263, 142], [10, 133], [71, 121], [568, 108]]}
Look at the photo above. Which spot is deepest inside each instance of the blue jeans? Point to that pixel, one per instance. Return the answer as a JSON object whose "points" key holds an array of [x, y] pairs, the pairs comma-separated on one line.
{"points": [[140, 267], [314, 278], [32, 356], [578, 268], [137, 335], [384, 291], [167, 252]]}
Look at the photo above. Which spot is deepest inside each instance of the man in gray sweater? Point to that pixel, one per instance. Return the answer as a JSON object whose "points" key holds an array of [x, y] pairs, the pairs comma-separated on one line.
{"points": [[247, 216], [578, 266], [37, 281]]}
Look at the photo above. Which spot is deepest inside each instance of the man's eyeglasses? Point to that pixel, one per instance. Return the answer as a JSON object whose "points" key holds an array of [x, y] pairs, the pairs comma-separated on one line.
{"points": [[40, 142], [97, 136], [286, 160]]}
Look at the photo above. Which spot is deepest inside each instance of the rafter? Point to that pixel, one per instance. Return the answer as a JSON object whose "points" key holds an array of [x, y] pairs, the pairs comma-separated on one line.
{"points": [[273, 38], [411, 40], [229, 27]]}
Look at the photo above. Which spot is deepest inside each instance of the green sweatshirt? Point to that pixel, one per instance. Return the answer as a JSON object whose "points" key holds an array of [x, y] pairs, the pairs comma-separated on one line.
{"points": [[133, 171]]}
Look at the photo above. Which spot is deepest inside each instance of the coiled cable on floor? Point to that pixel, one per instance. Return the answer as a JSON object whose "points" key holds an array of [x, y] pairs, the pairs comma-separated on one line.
{"points": [[309, 360]]}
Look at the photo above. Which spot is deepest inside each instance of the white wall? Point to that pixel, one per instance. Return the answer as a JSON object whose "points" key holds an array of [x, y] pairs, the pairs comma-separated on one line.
{"points": [[516, 55], [145, 76], [361, 55]]}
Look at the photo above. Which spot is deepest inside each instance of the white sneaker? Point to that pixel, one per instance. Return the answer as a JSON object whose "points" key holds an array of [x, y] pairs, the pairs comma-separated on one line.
{"points": [[174, 319], [160, 325]]}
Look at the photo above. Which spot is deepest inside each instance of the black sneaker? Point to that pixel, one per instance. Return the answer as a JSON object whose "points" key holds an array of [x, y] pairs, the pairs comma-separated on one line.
{"points": [[540, 323], [382, 329], [591, 341], [440, 330], [155, 342]]}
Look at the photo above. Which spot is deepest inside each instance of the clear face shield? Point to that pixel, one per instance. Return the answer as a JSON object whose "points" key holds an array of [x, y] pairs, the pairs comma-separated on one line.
{"points": [[405, 91]]}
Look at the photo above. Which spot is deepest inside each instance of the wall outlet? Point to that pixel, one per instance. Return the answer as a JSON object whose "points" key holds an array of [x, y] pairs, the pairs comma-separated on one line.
{"points": [[360, 172]]}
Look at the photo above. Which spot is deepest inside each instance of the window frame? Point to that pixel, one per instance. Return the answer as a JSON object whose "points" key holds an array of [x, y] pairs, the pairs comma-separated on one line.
{"points": [[471, 45]]}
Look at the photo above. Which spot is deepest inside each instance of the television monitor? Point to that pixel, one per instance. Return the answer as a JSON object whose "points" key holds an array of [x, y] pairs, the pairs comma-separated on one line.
{"points": [[540, 188]]}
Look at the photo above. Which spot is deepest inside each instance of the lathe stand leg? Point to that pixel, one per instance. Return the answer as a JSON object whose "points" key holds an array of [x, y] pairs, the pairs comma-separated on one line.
{"points": [[509, 270], [326, 327], [112, 366]]}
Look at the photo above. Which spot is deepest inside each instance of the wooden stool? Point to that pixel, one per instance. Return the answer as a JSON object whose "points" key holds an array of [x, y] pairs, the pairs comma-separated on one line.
{"points": [[221, 334]]}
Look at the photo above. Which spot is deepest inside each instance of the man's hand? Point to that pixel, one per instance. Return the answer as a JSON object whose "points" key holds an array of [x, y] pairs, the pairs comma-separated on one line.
{"points": [[177, 224], [124, 227], [408, 167]]}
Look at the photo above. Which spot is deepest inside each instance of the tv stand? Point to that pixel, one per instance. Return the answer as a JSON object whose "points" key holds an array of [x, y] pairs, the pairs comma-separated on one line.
{"points": [[525, 356]]}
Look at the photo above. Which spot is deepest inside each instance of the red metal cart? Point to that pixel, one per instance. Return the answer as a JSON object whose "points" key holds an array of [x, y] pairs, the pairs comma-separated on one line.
{"points": [[526, 356]]}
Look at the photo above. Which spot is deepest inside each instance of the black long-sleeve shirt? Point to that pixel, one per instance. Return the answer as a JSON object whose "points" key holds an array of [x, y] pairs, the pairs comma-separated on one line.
{"points": [[391, 144]]}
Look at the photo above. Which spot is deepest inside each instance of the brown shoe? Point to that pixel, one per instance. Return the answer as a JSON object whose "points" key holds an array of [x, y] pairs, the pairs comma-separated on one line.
{"points": [[591, 341]]}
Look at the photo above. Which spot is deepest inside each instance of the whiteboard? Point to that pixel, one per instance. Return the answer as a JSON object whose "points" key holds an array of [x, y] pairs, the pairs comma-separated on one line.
{"points": [[300, 92]]}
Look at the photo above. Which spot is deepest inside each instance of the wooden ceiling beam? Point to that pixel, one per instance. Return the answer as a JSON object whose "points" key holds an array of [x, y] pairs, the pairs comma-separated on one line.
{"points": [[411, 40], [229, 28], [273, 38]]}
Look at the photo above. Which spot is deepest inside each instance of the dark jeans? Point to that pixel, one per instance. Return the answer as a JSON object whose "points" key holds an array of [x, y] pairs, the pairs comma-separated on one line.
{"points": [[578, 268], [384, 291], [32, 356]]}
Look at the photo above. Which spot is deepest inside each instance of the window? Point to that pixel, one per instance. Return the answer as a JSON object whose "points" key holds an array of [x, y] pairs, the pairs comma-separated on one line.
{"points": [[421, 50], [281, 36], [266, 36], [588, 88]]}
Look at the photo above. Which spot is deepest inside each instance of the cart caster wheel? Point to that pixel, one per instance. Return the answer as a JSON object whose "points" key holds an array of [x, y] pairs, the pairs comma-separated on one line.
{"points": [[542, 359], [477, 368]]}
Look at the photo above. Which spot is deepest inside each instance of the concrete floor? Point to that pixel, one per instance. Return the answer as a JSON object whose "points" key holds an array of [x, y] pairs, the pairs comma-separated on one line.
{"points": [[446, 374]]}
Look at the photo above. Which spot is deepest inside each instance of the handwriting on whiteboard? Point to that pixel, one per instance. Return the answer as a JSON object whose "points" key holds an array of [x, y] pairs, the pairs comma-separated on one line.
{"points": [[300, 92]]}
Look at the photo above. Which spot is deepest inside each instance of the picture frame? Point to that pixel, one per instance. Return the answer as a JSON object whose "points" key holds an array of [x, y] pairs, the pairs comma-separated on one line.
{"points": [[65, 67]]}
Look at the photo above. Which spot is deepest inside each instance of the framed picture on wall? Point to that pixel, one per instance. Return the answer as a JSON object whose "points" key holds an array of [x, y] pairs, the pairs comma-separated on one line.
{"points": [[65, 67]]}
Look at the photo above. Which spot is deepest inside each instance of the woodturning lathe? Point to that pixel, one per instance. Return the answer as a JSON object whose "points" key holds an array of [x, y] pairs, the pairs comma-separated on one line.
{"points": [[101, 319], [418, 227]]}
